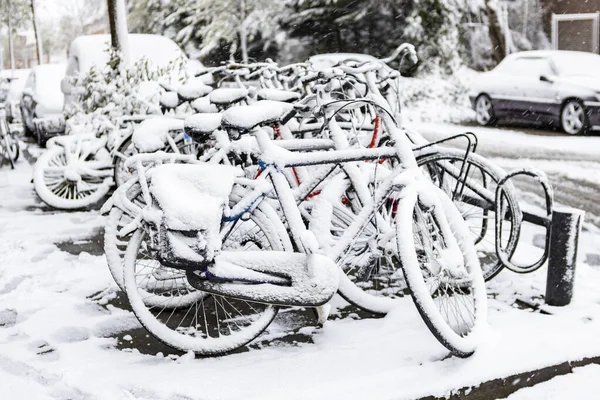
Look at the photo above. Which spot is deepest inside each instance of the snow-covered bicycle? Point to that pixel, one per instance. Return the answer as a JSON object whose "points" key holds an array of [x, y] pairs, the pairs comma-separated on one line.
{"points": [[245, 288], [78, 171], [9, 147]]}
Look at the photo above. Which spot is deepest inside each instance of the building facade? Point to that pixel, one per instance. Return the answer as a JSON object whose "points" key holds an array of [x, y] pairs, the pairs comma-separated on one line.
{"points": [[574, 24]]}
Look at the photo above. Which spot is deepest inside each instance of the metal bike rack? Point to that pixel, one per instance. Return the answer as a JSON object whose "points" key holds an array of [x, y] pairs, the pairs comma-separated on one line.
{"points": [[542, 220], [560, 250], [471, 147]]}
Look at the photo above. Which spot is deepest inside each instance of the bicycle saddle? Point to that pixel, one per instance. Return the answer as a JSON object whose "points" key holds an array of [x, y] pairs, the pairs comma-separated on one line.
{"points": [[203, 105], [277, 95], [169, 100], [263, 112], [226, 96], [193, 89], [151, 134], [200, 126]]}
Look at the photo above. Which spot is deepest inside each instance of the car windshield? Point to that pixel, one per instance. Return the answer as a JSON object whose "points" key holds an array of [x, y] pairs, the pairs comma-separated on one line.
{"points": [[578, 64]]}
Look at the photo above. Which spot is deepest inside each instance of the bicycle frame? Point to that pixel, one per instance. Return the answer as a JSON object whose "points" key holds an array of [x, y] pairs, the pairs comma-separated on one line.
{"points": [[288, 197]]}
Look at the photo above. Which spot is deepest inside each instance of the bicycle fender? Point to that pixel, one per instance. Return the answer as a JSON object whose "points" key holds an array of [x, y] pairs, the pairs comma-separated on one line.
{"points": [[310, 279]]}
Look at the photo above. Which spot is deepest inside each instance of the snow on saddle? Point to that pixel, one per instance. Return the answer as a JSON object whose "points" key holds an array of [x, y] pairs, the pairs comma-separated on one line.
{"points": [[227, 96], [277, 95], [151, 134], [200, 126], [263, 112], [203, 105], [191, 199], [193, 89]]}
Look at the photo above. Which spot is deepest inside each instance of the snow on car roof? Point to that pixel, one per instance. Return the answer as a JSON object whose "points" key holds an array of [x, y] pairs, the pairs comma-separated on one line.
{"points": [[16, 86], [47, 85], [567, 62], [15, 73], [91, 50], [328, 60], [546, 53]]}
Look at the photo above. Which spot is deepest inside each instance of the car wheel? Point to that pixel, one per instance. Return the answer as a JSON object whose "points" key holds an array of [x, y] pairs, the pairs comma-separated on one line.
{"points": [[484, 110], [573, 119], [26, 130], [40, 137]]}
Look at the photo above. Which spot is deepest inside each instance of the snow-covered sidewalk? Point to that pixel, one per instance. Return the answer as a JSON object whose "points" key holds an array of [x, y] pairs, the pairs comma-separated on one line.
{"points": [[58, 335]]}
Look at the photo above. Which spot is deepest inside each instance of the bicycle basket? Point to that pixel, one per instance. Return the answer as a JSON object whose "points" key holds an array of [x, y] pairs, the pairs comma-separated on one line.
{"points": [[190, 201]]}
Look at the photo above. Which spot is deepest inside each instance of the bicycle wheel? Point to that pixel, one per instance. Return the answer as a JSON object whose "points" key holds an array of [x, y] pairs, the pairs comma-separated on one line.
{"points": [[4, 153], [212, 324], [372, 279], [125, 150], [441, 270], [68, 187], [169, 286], [471, 183], [9, 148], [13, 149], [115, 245]]}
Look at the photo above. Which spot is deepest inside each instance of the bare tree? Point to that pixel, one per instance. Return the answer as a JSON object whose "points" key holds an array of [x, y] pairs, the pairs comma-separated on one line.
{"points": [[10, 39], [495, 32], [117, 17], [38, 39]]}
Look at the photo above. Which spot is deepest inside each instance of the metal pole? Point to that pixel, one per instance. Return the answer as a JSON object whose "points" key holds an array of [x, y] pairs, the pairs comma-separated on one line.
{"points": [[38, 38], [564, 238]]}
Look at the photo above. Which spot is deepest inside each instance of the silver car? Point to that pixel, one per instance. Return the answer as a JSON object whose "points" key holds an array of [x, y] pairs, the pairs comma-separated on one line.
{"points": [[560, 88]]}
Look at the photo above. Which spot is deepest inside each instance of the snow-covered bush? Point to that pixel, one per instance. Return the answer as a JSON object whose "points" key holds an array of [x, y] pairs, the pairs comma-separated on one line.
{"points": [[487, 22], [115, 91], [433, 27], [437, 97]]}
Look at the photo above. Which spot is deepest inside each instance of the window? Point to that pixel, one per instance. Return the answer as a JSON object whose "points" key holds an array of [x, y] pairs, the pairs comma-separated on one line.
{"points": [[530, 67]]}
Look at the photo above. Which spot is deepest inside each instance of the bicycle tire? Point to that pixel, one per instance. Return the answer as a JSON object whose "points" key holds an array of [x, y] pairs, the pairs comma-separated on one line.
{"points": [[457, 332], [126, 149], [56, 190], [207, 346]]}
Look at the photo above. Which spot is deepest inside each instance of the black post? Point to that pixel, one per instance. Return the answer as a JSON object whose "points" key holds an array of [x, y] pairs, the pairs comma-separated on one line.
{"points": [[564, 238]]}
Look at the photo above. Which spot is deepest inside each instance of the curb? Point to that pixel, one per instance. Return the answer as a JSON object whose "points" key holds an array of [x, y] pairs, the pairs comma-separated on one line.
{"points": [[504, 387]]}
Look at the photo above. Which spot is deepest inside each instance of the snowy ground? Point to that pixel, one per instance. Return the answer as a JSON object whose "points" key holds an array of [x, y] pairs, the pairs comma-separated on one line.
{"points": [[65, 335]]}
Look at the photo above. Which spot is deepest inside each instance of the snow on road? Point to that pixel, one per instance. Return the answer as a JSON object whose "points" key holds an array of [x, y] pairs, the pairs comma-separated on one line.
{"points": [[59, 331], [508, 143]]}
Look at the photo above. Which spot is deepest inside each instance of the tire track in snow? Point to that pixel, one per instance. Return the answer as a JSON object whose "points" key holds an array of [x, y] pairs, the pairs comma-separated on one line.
{"points": [[52, 383]]}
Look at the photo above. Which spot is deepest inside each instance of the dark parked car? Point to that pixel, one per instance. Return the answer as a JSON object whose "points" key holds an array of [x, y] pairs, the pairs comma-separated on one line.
{"points": [[42, 102], [555, 87]]}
